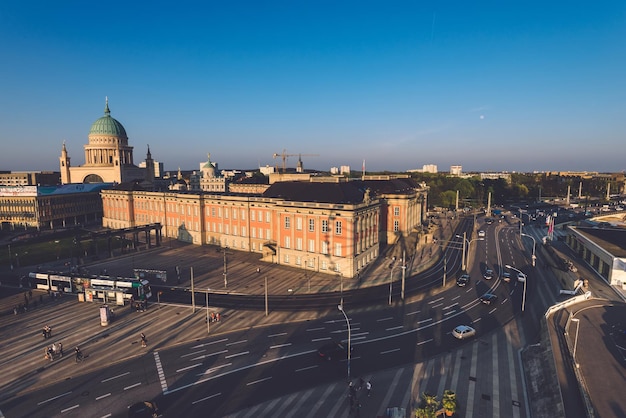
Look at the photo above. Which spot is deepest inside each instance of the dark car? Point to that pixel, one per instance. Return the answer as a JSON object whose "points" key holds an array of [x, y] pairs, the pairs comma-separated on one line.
{"points": [[488, 274], [144, 409], [463, 280], [333, 350], [488, 298]]}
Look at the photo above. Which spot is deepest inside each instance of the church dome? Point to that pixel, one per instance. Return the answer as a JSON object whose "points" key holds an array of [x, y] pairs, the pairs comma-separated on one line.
{"points": [[106, 125]]}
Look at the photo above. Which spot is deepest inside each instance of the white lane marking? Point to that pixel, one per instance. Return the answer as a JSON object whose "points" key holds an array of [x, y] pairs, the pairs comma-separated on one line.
{"points": [[435, 300], [358, 338], [320, 339], [276, 335], [237, 342], [413, 313], [316, 329], [209, 355], [212, 342], [306, 368], [394, 328], [212, 369], [280, 345], [204, 399], [451, 306], [493, 310], [424, 342], [56, 397], [243, 353], [437, 305], [456, 297], [192, 354], [132, 386], [389, 318], [448, 313], [258, 381], [390, 351], [70, 408], [114, 377], [103, 416], [424, 320], [188, 367], [476, 320], [160, 372], [345, 330], [103, 396]]}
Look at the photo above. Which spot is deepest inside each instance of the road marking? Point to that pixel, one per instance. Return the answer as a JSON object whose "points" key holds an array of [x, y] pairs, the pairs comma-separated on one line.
{"points": [[209, 355], [237, 342], [160, 372], [435, 300], [276, 335], [212, 342], [448, 313], [243, 353], [56, 397], [358, 338], [316, 329], [476, 320], [132, 386], [70, 408], [212, 369], [188, 367], [424, 320], [320, 339], [359, 333], [493, 310], [103, 416], [204, 399], [454, 304], [344, 330], [456, 297], [280, 345], [301, 370], [389, 318], [390, 351], [424, 342], [413, 313], [114, 377], [437, 305], [394, 328], [192, 354], [103, 396], [258, 381]]}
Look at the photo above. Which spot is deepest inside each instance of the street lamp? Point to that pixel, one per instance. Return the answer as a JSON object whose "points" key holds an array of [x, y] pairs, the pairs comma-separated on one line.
{"points": [[468, 242], [208, 323], [576, 340], [524, 295], [340, 307], [391, 282], [534, 246]]}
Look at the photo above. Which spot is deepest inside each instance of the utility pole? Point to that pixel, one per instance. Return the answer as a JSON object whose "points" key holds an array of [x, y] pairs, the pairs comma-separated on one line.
{"points": [[266, 310], [225, 270], [193, 295], [403, 272]]}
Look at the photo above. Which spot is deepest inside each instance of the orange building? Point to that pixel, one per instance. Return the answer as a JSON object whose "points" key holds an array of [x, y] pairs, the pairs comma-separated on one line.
{"points": [[330, 225]]}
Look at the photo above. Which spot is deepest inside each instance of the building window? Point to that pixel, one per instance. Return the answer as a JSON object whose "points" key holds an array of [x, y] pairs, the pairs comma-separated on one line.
{"points": [[299, 244], [298, 261], [287, 242], [243, 231], [311, 245], [396, 211], [311, 225], [252, 216], [324, 247], [253, 230], [286, 259], [338, 228], [267, 216], [324, 226], [299, 223], [287, 222], [323, 265], [268, 234], [396, 225]]}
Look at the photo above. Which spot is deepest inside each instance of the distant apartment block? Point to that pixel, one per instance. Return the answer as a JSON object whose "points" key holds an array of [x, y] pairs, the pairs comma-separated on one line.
{"points": [[344, 169], [456, 170], [30, 178], [158, 168], [429, 168], [496, 176]]}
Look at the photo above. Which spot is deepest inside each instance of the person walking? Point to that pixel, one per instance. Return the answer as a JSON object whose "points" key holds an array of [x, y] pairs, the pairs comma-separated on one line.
{"points": [[368, 386], [78, 354], [144, 340]]}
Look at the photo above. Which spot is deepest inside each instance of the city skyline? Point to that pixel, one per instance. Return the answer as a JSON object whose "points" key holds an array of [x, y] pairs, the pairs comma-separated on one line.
{"points": [[490, 87]]}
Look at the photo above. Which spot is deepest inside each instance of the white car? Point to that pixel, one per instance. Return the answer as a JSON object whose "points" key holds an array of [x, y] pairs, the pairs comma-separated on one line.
{"points": [[463, 331], [481, 234], [521, 277]]}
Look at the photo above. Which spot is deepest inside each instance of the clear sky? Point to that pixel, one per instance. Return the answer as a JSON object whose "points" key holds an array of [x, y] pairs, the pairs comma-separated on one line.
{"points": [[499, 85]]}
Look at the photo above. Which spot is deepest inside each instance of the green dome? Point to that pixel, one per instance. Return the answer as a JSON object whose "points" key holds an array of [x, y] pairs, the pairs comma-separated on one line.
{"points": [[106, 125]]}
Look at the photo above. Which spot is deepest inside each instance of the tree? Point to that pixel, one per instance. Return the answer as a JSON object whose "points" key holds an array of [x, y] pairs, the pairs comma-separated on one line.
{"points": [[429, 404]]}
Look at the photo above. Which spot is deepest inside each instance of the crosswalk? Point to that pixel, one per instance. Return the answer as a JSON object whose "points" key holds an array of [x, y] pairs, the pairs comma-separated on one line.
{"points": [[485, 374]]}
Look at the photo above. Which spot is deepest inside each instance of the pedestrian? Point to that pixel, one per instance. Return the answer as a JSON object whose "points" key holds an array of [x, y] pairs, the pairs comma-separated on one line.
{"points": [[212, 316], [368, 386], [144, 340], [217, 317], [60, 348], [79, 354], [50, 353]]}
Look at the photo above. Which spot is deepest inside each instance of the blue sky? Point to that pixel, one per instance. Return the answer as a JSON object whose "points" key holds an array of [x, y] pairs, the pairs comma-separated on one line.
{"points": [[502, 85]]}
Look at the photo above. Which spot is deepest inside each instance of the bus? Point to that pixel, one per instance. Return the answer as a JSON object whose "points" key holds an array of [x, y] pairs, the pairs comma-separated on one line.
{"points": [[94, 287]]}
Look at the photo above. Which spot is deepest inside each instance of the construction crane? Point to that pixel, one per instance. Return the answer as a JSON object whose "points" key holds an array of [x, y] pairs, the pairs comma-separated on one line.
{"points": [[284, 157]]}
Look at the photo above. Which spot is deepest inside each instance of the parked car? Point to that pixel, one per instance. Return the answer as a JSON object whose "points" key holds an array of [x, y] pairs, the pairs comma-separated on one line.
{"points": [[488, 298], [333, 350], [488, 275], [463, 331], [481, 233], [521, 277], [463, 280]]}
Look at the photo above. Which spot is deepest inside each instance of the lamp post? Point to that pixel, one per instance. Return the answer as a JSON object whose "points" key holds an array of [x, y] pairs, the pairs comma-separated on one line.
{"points": [[391, 283], [576, 340], [340, 307], [225, 270], [525, 280], [208, 323], [534, 246], [468, 242]]}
